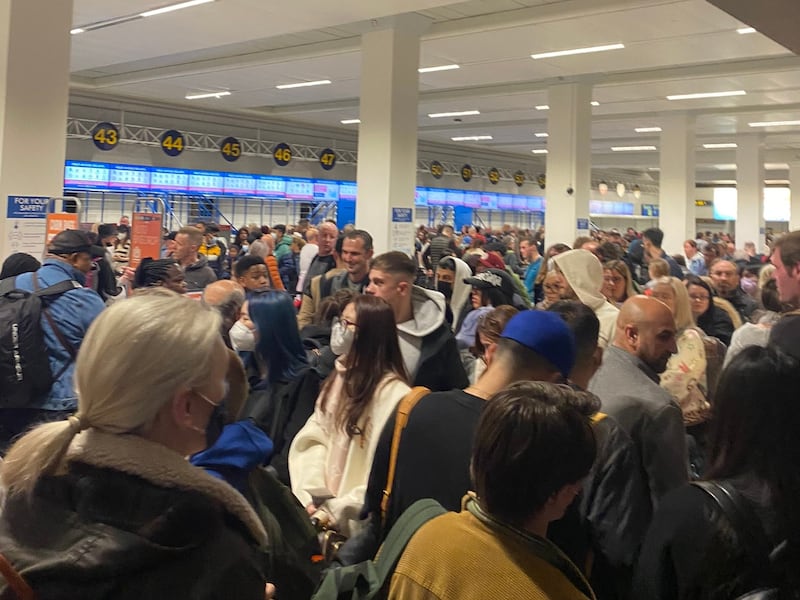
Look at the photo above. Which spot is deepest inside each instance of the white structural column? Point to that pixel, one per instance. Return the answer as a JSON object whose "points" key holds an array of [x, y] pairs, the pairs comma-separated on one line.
{"points": [[749, 191], [676, 182], [569, 162], [794, 184], [34, 95], [387, 138]]}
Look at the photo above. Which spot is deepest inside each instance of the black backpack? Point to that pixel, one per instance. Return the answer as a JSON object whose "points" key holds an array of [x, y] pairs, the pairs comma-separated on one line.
{"points": [[25, 375]]}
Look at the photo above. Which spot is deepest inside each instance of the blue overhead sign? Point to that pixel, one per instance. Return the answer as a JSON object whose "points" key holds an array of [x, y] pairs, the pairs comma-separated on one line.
{"points": [[27, 207]]}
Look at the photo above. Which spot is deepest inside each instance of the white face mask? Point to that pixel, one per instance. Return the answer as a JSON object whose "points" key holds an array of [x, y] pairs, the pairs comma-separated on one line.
{"points": [[242, 337], [341, 339]]}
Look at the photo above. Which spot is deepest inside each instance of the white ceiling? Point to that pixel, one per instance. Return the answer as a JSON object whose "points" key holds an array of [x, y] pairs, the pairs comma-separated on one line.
{"points": [[250, 46]]}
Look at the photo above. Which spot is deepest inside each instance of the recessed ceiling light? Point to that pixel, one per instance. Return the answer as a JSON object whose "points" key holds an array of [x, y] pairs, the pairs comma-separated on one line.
{"points": [[542, 134], [435, 69], [540, 151], [578, 51], [773, 123], [543, 107], [462, 113], [350, 121], [726, 167], [647, 129], [207, 95], [173, 7], [775, 166], [595, 103], [653, 168], [471, 138], [706, 95], [743, 30], [718, 146], [289, 86], [77, 30], [632, 148]]}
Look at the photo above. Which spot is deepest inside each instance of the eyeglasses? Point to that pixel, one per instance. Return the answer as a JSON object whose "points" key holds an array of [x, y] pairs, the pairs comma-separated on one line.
{"points": [[695, 298], [345, 323]]}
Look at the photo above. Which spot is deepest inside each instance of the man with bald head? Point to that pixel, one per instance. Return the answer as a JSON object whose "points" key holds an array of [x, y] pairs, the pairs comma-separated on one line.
{"points": [[227, 297], [727, 276], [628, 386]]}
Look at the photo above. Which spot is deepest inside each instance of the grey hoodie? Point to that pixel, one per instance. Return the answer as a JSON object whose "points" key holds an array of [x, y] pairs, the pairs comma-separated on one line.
{"points": [[584, 273], [429, 314], [199, 275]]}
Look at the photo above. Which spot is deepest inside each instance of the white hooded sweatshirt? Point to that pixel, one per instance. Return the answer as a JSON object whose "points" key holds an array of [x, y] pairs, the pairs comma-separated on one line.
{"points": [[584, 274], [461, 290]]}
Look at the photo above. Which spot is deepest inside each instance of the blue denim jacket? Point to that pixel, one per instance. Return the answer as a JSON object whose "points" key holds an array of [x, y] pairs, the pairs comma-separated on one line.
{"points": [[72, 312]]}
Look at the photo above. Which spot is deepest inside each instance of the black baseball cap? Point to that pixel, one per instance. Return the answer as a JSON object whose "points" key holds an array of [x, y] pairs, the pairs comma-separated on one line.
{"points": [[72, 241]]}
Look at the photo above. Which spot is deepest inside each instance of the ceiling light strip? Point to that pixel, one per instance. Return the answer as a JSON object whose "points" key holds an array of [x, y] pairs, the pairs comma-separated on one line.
{"points": [[290, 86], [461, 113], [720, 146], [173, 7], [588, 50], [439, 68], [648, 130], [471, 138], [773, 123], [632, 148], [208, 95], [706, 95], [350, 121]]}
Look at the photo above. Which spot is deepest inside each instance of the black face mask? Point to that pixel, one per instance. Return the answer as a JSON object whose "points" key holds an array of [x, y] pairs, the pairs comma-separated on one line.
{"points": [[215, 424], [445, 288]]}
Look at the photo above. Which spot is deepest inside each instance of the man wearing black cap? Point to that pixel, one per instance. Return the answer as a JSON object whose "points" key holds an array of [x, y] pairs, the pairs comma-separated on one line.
{"points": [[69, 258], [436, 445]]}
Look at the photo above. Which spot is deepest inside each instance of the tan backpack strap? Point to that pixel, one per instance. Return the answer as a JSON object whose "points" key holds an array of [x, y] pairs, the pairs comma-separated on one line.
{"points": [[15, 581], [597, 417], [401, 418]]}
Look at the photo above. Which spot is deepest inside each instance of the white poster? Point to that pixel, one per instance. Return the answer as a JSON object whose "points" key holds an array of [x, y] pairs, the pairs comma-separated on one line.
{"points": [[26, 224], [402, 233]]}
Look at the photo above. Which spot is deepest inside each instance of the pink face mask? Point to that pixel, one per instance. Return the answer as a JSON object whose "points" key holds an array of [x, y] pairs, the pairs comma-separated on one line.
{"points": [[750, 286]]}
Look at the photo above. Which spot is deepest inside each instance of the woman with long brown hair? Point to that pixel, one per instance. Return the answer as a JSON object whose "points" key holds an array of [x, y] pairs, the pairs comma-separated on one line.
{"points": [[330, 458]]}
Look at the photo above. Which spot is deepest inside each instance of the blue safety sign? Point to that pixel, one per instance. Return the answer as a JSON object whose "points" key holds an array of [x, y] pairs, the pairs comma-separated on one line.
{"points": [[27, 207], [402, 215]]}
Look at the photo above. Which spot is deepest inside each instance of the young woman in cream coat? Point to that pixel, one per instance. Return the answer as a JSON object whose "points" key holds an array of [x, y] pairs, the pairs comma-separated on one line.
{"points": [[330, 458]]}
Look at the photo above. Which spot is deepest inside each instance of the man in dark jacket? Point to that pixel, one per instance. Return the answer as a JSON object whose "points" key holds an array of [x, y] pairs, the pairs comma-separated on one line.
{"points": [[651, 240], [443, 244], [727, 277], [195, 266], [609, 519], [324, 261], [429, 349], [627, 383]]}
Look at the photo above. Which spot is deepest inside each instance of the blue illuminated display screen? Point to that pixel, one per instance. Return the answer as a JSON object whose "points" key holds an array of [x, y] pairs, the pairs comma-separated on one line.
{"points": [[86, 175]]}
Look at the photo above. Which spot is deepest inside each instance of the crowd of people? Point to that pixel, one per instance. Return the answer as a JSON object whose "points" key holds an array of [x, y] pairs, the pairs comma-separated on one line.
{"points": [[600, 420]]}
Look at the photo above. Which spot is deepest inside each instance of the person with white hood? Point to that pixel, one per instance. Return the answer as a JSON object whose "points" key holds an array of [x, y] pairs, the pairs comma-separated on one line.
{"points": [[449, 280], [583, 276], [429, 350]]}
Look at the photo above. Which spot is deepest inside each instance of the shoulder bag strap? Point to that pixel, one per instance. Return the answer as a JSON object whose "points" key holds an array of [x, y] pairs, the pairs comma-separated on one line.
{"points": [[15, 582], [73, 353], [401, 533], [744, 520], [401, 418]]}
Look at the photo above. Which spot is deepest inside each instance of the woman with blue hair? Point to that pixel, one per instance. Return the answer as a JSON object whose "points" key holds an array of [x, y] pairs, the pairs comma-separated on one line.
{"points": [[281, 361]]}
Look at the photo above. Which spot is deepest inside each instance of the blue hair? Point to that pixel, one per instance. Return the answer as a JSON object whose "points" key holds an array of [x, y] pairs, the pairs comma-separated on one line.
{"points": [[279, 345]]}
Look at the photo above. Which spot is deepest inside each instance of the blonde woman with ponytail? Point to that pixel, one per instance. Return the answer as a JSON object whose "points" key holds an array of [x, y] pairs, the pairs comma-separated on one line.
{"points": [[105, 504]]}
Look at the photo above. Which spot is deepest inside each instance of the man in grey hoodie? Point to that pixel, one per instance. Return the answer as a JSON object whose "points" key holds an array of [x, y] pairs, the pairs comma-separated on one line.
{"points": [[429, 349]]}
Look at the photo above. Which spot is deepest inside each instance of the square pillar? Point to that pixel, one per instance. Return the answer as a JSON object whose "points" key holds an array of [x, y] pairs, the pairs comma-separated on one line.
{"points": [[387, 137], [749, 191], [676, 184], [569, 162], [794, 185], [34, 96]]}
